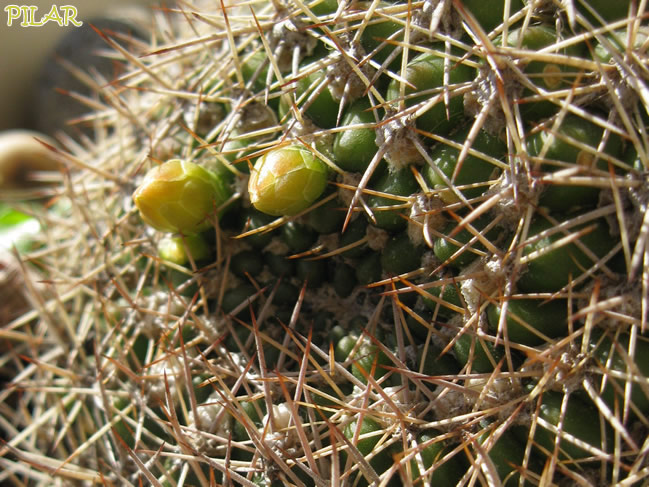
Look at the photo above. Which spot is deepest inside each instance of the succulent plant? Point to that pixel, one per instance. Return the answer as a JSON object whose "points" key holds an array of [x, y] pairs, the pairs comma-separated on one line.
{"points": [[419, 248]]}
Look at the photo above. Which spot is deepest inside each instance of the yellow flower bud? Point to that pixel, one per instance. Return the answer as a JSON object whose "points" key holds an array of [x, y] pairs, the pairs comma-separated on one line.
{"points": [[180, 196], [176, 249], [286, 181]]}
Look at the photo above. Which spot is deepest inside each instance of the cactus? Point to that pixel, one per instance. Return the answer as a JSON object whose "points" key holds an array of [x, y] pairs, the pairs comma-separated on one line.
{"points": [[462, 300]]}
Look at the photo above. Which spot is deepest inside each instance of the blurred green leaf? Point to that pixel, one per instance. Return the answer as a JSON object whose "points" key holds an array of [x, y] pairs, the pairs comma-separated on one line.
{"points": [[10, 217], [16, 228]]}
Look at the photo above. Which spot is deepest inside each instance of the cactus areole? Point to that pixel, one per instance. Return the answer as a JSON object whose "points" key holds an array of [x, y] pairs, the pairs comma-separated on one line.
{"points": [[180, 196]]}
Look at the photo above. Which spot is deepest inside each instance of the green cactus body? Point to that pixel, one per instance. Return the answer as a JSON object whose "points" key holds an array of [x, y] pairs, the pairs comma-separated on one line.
{"points": [[447, 473], [576, 422], [397, 183], [475, 167], [425, 74], [608, 356], [566, 146], [480, 354], [446, 248], [400, 255], [507, 455], [489, 14], [446, 300], [416, 229], [557, 268], [529, 321], [545, 75], [354, 149]]}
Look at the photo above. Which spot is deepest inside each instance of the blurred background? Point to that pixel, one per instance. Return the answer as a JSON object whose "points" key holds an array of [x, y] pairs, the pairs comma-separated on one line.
{"points": [[28, 67]]}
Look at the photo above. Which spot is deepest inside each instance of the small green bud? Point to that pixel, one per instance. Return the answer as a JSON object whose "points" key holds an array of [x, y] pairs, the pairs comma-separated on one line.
{"points": [[286, 181], [175, 250], [369, 360], [298, 237], [314, 272], [568, 146], [369, 435], [179, 196], [546, 75]]}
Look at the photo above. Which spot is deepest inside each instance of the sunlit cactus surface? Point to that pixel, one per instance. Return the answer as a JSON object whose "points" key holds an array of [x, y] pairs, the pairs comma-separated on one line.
{"points": [[338, 242]]}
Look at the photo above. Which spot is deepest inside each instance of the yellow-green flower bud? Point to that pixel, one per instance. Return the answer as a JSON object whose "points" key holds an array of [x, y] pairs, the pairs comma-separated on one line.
{"points": [[286, 181], [179, 196], [176, 249]]}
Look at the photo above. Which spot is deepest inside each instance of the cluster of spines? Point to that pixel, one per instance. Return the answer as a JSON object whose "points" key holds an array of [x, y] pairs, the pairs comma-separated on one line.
{"points": [[138, 351]]}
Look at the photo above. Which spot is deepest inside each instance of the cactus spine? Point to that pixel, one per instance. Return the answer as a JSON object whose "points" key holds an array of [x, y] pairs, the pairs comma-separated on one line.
{"points": [[464, 303]]}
